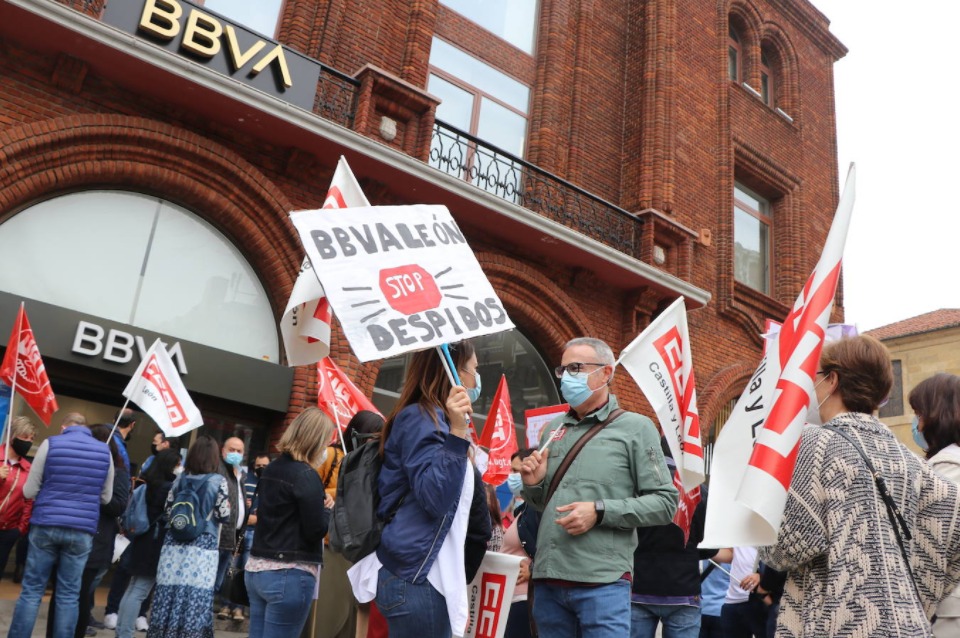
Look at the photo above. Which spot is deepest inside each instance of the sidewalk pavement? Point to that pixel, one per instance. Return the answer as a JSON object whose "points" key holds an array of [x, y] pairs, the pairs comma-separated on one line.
{"points": [[8, 598]]}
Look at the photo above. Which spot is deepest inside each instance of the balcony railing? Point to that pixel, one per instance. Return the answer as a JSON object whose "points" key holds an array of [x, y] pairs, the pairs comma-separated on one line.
{"points": [[494, 170], [336, 98]]}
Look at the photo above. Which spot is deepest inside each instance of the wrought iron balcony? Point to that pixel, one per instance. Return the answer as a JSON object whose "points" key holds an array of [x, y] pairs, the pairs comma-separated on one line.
{"points": [[336, 98], [494, 170]]}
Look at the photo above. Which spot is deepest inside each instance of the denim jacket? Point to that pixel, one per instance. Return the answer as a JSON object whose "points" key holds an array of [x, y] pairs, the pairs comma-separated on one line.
{"points": [[624, 467]]}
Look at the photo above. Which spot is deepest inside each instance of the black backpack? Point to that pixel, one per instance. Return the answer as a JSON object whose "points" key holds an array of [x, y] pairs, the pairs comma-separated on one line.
{"points": [[186, 518], [355, 530]]}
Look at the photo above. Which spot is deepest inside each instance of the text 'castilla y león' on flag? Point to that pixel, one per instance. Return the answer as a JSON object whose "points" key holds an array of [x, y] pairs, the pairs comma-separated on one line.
{"points": [[756, 450], [157, 389], [305, 324], [661, 363]]}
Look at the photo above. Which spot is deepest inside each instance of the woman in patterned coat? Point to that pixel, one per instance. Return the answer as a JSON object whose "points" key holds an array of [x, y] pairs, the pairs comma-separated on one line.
{"points": [[848, 576]]}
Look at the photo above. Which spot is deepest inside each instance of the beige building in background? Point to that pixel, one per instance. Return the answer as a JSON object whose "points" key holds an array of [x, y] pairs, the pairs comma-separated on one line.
{"points": [[919, 347]]}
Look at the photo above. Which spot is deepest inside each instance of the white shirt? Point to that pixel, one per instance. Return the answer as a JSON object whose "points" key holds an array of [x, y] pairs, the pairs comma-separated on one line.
{"points": [[743, 564]]}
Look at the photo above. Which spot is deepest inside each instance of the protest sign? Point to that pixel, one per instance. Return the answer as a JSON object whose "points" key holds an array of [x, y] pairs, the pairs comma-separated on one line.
{"points": [[400, 278], [538, 418]]}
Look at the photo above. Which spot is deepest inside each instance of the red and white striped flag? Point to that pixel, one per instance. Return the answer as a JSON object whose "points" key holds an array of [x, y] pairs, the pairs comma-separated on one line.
{"points": [[755, 453], [305, 324], [23, 369], [157, 389], [337, 395]]}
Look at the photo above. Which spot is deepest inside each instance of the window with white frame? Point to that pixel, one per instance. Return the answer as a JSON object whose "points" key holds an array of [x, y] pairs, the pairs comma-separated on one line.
{"points": [[261, 16], [513, 20], [751, 238]]}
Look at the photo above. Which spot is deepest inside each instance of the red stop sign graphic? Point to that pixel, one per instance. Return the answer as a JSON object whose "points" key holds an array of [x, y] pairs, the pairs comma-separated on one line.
{"points": [[409, 289]]}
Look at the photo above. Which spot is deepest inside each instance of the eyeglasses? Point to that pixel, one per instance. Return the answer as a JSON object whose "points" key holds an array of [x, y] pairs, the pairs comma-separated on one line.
{"points": [[574, 368]]}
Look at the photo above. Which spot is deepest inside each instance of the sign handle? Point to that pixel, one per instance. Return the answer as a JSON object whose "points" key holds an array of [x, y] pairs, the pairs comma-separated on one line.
{"points": [[450, 368]]}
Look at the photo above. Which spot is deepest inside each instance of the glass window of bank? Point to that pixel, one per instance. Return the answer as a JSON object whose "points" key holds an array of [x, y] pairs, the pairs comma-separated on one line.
{"points": [[261, 16], [144, 262], [530, 379]]}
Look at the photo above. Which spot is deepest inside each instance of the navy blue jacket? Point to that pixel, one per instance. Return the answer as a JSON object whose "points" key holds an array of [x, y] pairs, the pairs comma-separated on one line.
{"points": [[74, 472], [423, 470]]}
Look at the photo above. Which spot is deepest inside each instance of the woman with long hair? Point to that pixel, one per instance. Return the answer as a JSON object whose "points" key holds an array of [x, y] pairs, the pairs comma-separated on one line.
{"points": [[145, 548], [870, 535], [936, 430], [432, 499], [292, 518], [183, 599]]}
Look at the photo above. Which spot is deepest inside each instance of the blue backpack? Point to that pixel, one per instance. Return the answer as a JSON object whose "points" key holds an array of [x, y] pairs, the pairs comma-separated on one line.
{"points": [[134, 520], [187, 521]]}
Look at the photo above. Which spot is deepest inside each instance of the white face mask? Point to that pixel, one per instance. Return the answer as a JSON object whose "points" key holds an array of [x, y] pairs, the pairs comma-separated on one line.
{"points": [[813, 412], [178, 470]]}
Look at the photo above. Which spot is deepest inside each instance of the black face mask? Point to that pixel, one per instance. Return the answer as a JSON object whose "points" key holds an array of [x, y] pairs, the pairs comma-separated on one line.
{"points": [[20, 446], [258, 471], [153, 449]]}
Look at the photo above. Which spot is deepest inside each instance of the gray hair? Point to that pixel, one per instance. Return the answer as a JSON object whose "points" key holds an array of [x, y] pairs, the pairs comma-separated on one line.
{"points": [[74, 418], [604, 353], [22, 427]]}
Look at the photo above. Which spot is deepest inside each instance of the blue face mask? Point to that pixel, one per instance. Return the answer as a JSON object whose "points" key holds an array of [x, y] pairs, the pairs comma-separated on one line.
{"points": [[474, 393], [918, 435], [233, 458], [515, 483], [574, 389]]}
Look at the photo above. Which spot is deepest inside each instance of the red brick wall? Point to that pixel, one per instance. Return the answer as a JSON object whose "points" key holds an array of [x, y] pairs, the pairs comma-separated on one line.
{"points": [[630, 100]]}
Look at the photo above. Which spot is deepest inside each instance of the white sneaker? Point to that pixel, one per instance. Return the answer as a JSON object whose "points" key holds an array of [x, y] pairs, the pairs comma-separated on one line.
{"points": [[141, 624], [110, 621]]}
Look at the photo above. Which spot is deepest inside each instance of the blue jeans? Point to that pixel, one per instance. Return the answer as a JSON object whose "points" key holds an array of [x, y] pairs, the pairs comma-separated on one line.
{"points": [[8, 540], [279, 602], [67, 549], [601, 611], [412, 611], [679, 621], [137, 591]]}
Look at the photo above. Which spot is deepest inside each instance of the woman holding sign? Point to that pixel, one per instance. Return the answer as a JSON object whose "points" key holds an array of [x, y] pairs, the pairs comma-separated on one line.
{"points": [[433, 499]]}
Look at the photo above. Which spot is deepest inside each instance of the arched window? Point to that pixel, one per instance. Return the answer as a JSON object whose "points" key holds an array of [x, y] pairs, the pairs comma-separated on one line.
{"points": [[142, 261], [734, 55], [768, 76]]}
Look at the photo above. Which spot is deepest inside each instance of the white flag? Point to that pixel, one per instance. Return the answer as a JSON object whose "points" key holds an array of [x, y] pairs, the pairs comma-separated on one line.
{"points": [[305, 325], [157, 389], [757, 448], [659, 360]]}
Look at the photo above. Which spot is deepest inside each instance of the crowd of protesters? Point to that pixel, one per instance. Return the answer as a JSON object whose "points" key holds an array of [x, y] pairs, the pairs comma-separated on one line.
{"points": [[868, 545]]}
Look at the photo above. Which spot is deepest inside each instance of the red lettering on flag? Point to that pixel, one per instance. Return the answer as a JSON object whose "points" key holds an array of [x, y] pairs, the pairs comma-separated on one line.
{"points": [[492, 587], [775, 464], [334, 198], [175, 411], [670, 347]]}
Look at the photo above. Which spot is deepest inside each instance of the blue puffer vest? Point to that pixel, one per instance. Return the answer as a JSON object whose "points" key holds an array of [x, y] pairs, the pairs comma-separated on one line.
{"points": [[73, 476]]}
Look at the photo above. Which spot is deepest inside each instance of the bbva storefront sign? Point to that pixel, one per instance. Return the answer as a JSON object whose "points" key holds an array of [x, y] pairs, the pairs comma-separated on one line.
{"points": [[228, 48]]}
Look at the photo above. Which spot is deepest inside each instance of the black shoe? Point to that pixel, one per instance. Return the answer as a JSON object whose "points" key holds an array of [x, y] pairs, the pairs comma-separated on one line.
{"points": [[91, 631], [18, 574], [96, 624]]}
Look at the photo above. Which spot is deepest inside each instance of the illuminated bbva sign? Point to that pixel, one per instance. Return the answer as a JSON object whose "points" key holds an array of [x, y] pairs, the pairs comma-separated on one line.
{"points": [[211, 40]]}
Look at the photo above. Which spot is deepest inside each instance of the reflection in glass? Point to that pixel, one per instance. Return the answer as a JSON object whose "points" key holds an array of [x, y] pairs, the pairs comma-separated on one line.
{"points": [[259, 15], [512, 20], [142, 261], [529, 379], [474, 72], [750, 252]]}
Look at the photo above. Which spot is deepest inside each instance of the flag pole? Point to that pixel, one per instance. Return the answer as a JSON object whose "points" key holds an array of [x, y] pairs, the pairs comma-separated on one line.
{"points": [[450, 369], [336, 417], [13, 385], [117, 422]]}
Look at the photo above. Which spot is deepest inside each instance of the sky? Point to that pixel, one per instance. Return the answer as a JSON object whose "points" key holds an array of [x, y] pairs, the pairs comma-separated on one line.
{"points": [[897, 119]]}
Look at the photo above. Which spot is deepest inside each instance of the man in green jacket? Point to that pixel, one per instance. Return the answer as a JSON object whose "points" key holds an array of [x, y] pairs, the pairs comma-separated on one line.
{"points": [[618, 482]]}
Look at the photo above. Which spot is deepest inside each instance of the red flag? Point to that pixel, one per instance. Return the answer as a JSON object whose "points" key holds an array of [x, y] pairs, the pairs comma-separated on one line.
{"points": [[499, 436], [22, 359], [685, 506], [337, 395]]}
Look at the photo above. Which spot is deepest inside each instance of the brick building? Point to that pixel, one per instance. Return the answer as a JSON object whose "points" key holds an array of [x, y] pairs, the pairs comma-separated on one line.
{"points": [[920, 347], [602, 159]]}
